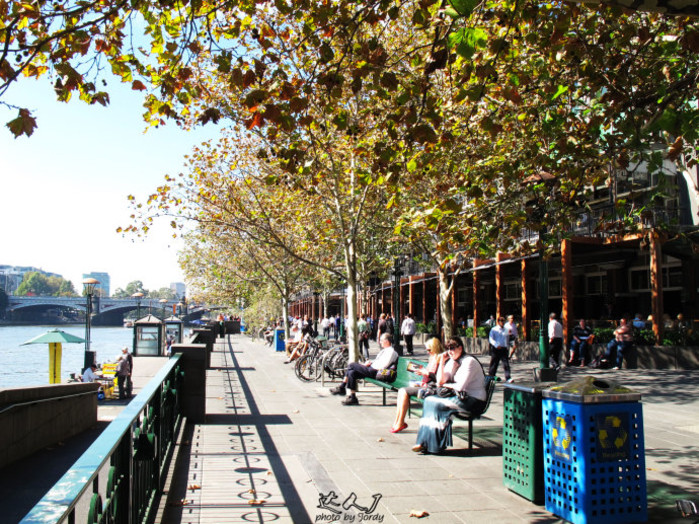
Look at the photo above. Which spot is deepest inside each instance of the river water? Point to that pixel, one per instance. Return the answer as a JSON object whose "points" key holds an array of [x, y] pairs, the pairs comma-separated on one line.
{"points": [[29, 365]]}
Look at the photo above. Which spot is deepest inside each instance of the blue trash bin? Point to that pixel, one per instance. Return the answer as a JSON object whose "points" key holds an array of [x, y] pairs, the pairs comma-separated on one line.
{"points": [[279, 344], [594, 456]]}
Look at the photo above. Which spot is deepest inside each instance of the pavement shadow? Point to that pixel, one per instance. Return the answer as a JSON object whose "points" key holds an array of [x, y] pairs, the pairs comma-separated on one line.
{"points": [[261, 423]]}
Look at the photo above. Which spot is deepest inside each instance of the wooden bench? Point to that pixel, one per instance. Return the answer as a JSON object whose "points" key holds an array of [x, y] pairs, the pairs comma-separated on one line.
{"points": [[404, 377], [465, 415]]}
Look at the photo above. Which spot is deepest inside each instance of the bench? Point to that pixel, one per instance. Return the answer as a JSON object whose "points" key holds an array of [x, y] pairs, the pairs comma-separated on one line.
{"points": [[404, 377], [464, 415]]}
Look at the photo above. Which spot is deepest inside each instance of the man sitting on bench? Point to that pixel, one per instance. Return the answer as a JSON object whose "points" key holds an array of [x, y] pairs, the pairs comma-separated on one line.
{"points": [[356, 371]]}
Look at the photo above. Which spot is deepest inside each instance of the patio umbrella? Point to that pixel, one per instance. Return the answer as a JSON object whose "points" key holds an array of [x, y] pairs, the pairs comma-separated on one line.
{"points": [[55, 338]]}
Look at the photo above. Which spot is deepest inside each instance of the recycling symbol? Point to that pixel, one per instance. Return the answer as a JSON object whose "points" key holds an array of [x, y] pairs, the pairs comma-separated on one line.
{"points": [[612, 434], [562, 438]]}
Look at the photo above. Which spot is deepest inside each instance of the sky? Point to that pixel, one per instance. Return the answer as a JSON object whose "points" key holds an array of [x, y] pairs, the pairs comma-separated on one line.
{"points": [[63, 191]]}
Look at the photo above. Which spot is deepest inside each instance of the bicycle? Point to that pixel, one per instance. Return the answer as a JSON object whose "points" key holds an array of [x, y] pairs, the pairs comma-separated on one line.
{"points": [[308, 365]]}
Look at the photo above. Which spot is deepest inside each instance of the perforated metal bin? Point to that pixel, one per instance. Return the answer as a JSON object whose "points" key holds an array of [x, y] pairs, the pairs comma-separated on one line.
{"points": [[522, 442], [594, 456]]}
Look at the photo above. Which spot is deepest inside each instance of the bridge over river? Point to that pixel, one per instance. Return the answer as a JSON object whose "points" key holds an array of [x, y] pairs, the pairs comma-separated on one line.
{"points": [[105, 310]]}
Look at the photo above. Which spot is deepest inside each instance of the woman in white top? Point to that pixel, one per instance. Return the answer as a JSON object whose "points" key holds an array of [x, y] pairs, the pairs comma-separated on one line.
{"points": [[463, 374]]}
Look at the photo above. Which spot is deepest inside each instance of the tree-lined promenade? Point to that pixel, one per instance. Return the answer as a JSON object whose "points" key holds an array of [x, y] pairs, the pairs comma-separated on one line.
{"points": [[357, 132]]}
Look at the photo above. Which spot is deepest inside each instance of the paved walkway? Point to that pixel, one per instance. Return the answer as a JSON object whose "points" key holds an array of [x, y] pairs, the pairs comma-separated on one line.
{"points": [[277, 449]]}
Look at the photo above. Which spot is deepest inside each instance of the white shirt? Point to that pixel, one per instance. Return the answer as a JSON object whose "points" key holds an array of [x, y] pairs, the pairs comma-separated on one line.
{"points": [[511, 328], [555, 329], [469, 377], [498, 337], [89, 375], [407, 327], [385, 358], [325, 323]]}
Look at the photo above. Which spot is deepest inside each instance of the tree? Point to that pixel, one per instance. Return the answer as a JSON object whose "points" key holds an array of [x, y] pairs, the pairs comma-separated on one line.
{"points": [[36, 283], [135, 286], [163, 292]]}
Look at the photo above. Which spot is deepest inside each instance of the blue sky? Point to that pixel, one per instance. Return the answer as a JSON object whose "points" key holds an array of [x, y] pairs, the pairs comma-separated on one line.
{"points": [[64, 189]]}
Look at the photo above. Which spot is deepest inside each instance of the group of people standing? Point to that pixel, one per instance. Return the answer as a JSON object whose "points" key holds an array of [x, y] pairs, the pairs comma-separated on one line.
{"points": [[123, 374]]}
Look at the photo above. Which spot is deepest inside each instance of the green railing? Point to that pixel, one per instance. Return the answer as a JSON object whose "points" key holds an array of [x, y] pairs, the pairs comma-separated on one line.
{"points": [[119, 477]]}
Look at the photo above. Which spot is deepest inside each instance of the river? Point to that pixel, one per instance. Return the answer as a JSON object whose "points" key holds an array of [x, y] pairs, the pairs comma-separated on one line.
{"points": [[28, 365]]}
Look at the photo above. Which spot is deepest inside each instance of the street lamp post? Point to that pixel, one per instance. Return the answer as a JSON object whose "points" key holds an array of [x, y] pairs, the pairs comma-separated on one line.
{"points": [[138, 296], [89, 289], [163, 301], [396, 304], [544, 182]]}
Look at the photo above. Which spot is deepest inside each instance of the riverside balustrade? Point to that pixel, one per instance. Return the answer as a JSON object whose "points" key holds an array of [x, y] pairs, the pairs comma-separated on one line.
{"points": [[120, 476]]}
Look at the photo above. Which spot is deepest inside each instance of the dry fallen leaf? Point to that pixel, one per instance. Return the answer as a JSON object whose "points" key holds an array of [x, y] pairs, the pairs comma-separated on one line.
{"points": [[296, 411], [182, 502], [194, 486], [380, 439], [419, 513], [252, 491], [255, 502], [269, 473]]}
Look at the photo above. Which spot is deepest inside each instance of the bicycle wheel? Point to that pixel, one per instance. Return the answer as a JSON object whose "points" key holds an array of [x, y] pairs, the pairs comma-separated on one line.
{"points": [[303, 368], [338, 364]]}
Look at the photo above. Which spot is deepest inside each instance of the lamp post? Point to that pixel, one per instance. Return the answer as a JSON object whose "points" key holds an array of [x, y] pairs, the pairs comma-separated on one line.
{"points": [[138, 296], [89, 289], [396, 300], [163, 301], [542, 182]]}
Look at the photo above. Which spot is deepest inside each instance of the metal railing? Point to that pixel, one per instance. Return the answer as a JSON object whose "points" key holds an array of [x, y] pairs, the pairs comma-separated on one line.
{"points": [[119, 477]]}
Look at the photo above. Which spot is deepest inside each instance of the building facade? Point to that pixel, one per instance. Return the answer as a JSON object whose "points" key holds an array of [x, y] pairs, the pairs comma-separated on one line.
{"points": [[104, 286]]}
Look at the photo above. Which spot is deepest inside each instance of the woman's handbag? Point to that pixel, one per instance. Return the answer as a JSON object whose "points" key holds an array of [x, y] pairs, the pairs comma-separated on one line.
{"points": [[427, 390], [445, 392], [386, 375]]}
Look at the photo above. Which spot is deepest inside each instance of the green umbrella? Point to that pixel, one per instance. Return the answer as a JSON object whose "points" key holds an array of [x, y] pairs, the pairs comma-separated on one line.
{"points": [[54, 338]]}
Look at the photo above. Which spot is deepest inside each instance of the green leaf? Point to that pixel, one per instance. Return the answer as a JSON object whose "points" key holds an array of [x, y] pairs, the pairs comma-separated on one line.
{"points": [[467, 41], [462, 7], [560, 91]]}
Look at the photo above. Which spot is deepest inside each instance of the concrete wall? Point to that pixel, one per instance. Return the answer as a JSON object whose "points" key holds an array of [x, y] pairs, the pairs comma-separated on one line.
{"points": [[647, 357], [34, 418]]}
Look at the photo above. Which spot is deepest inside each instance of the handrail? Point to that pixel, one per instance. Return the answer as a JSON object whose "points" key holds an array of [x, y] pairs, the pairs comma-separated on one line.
{"points": [[117, 478]]}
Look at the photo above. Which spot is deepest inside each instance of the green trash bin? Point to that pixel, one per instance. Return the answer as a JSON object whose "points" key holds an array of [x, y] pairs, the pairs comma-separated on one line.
{"points": [[522, 440]]}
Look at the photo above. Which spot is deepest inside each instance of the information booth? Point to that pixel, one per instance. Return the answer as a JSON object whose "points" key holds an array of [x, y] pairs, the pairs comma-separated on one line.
{"points": [[149, 337], [174, 328]]}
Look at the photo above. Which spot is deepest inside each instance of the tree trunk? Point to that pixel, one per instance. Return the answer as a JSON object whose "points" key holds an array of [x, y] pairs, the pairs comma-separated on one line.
{"points": [[285, 312], [445, 308]]}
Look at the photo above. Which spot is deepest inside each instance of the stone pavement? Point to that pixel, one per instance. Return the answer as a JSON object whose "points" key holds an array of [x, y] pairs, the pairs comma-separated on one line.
{"points": [[278, 449]]}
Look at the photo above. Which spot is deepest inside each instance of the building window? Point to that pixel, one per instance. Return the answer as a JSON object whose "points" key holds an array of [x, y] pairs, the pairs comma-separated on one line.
{"points": [[513, 290], [640, 278], [596, 284], [555, 289]]}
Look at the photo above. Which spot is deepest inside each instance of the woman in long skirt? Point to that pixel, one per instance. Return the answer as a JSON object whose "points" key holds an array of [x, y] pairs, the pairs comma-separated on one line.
{"points": [[460, 373]]}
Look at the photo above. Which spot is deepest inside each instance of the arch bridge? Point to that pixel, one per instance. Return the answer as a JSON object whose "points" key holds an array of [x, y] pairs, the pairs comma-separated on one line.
{"points": [[105, 309]]}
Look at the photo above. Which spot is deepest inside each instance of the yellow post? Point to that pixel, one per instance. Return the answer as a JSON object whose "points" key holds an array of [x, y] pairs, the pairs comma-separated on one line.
{"points": [[55, 354]]}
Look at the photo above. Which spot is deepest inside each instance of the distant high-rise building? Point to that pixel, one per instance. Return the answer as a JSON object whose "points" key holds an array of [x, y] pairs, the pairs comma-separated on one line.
{"points": [[178, 288], [104, 282], [11, 276]]}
